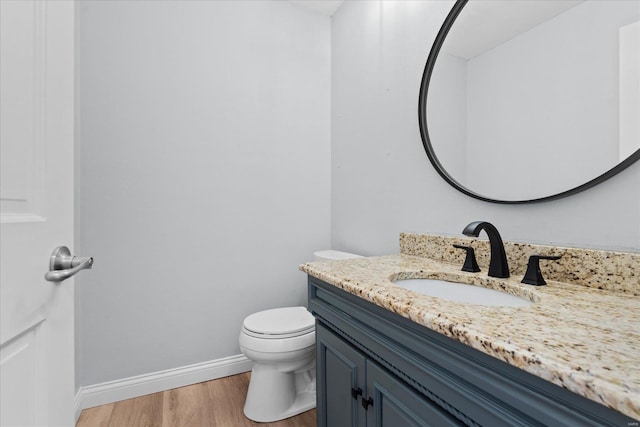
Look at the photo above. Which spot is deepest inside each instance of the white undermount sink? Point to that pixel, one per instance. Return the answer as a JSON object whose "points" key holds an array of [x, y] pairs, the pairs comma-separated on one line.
{"points": [[460, 292]]}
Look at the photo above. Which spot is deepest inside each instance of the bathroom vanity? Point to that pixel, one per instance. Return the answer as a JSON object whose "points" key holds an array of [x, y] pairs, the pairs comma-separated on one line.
{"points": [[390, 356]]}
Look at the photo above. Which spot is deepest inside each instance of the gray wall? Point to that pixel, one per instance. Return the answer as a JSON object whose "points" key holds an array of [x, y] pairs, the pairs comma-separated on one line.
{"points": [[382, 181], [204, 174], [204, 162]]}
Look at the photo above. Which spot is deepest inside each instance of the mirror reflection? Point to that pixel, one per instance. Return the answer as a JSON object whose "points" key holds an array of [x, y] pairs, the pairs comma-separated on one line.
{"points": [[528, 99]]}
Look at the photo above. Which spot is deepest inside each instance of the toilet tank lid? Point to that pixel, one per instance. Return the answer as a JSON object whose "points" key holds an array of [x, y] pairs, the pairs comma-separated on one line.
{"points": [[280, 321], [333, 255]]}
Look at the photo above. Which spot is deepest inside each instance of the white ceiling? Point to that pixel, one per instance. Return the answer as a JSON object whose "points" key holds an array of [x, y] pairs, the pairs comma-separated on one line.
{"points": [[326, 7]]}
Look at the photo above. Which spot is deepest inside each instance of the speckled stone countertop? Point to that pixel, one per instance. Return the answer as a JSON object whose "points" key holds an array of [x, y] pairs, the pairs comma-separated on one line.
{"points": [[581, 338]]}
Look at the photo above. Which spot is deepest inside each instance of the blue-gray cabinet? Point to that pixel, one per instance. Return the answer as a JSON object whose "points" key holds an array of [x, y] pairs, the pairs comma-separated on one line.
{"points": [[376, 368], [355, 391], [341, 380]]}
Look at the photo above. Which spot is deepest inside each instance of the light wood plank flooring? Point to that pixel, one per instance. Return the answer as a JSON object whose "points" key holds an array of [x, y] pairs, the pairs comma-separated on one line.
{"points": [[216, 403]]}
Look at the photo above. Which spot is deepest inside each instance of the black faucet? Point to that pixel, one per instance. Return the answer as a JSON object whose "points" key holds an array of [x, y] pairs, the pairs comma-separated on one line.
{"points": [[498, 266]]}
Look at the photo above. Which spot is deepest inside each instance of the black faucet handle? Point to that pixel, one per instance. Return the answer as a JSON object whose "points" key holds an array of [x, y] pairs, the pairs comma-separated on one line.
{"points": [[470, 263], [533, 276]]}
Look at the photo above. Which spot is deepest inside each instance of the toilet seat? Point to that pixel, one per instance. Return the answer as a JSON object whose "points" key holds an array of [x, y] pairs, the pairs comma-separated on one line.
{"points": [[276, 336], [275, 344], [279, 323]]}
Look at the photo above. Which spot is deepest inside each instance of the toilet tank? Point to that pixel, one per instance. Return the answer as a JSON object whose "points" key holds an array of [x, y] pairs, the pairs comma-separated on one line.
{"points": [[331, 255]]}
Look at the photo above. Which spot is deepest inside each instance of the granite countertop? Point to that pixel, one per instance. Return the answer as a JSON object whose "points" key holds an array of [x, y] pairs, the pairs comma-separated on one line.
{"points": [[583, 339]]}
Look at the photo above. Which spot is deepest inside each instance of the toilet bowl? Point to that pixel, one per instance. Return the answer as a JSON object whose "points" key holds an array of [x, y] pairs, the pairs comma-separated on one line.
{"points": [[281, 344]]}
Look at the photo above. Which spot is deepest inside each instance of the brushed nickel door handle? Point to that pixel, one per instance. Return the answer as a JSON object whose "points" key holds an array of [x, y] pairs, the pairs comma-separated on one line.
{"points": [[63, 265]]}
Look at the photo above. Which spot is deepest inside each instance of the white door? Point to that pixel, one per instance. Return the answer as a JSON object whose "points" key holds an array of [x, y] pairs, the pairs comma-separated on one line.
{"points": [[36, 191]]}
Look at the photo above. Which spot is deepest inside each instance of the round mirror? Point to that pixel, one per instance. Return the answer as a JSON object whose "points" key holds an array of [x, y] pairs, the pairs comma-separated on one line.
{"points": [[525, 101]]}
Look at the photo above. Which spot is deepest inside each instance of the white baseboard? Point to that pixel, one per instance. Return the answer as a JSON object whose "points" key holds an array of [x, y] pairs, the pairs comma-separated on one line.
{"points": [[127, 388]]}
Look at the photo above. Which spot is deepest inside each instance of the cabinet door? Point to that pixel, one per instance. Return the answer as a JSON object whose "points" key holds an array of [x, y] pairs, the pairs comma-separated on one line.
{"points": [[395, 403], [340, 374]]}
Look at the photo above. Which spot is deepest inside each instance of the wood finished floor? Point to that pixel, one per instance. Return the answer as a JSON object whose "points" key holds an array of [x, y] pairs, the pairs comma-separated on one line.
{"points": [[216, 403]]}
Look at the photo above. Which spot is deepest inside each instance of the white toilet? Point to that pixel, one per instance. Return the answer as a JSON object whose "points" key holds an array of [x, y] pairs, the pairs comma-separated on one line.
{"points": [[281, 344]]}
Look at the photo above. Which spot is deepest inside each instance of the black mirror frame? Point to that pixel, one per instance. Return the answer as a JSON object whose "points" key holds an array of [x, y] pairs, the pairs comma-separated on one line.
{"points": [[426, 141]]}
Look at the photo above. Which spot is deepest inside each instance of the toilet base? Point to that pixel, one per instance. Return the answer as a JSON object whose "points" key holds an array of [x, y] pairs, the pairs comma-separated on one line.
{"points": [[274, 395]]}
